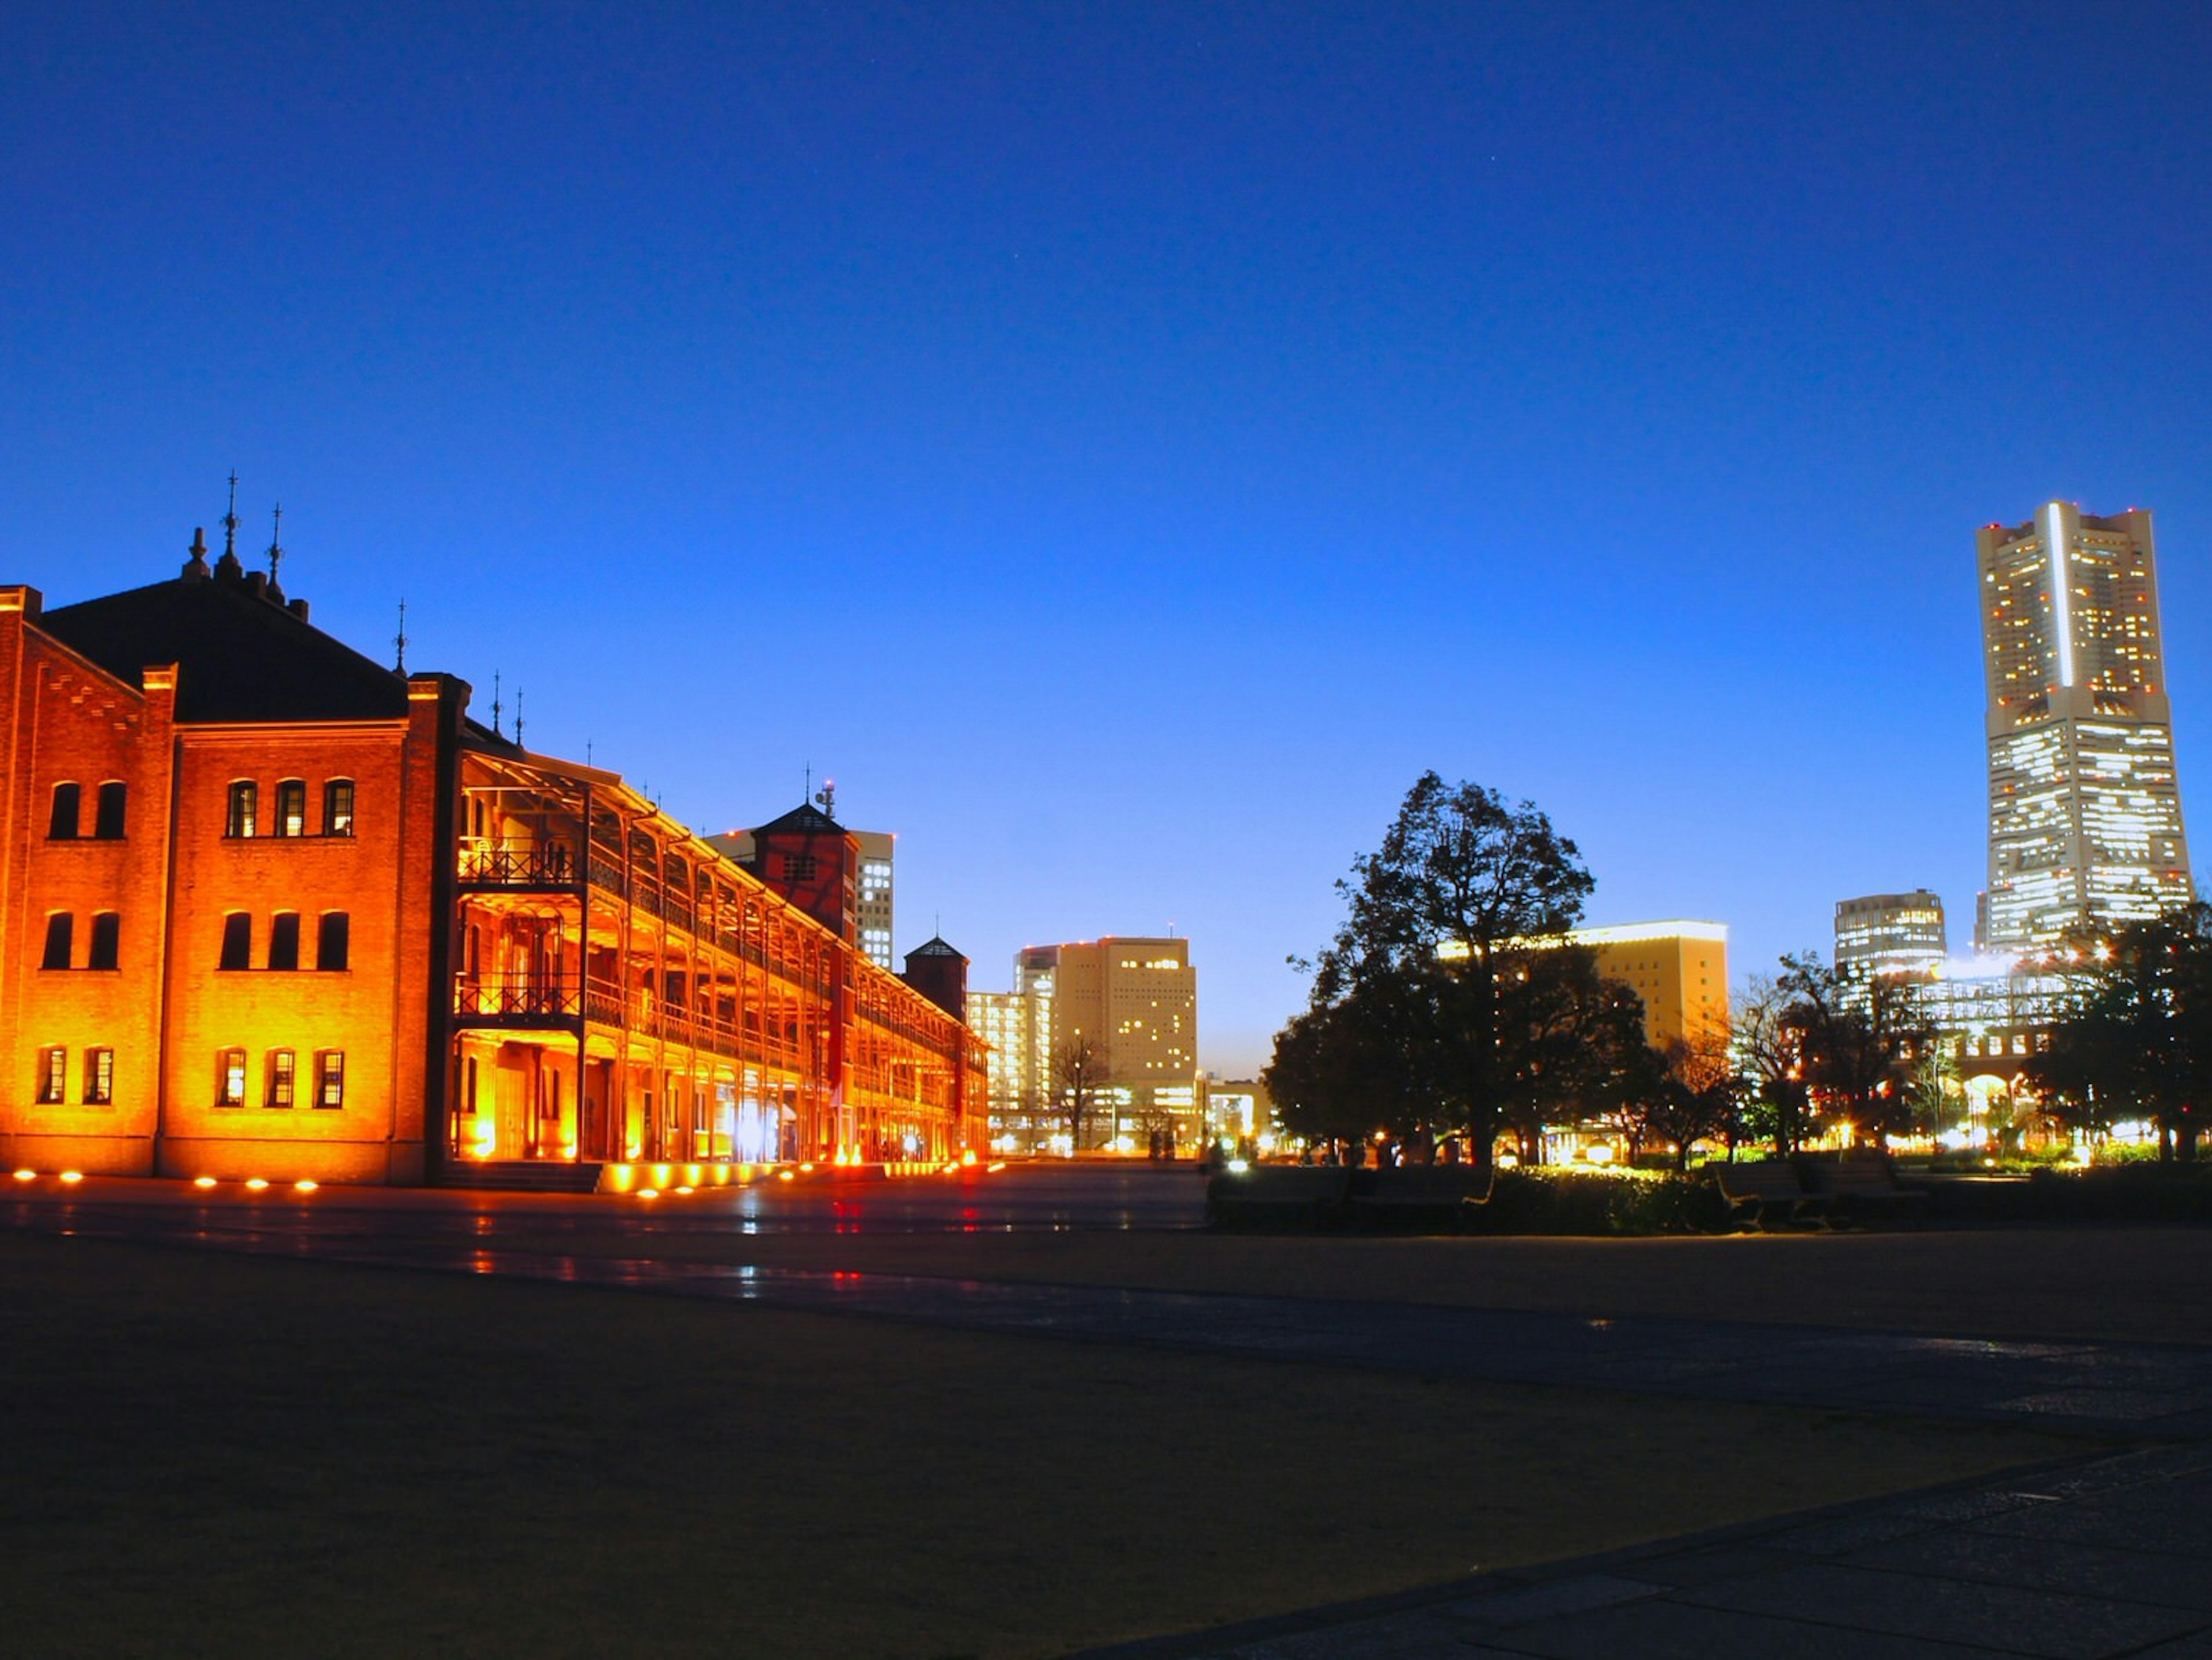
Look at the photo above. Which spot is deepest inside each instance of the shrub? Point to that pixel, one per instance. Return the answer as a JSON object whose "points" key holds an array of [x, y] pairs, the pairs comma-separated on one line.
{"points": [[1599, 1202]]}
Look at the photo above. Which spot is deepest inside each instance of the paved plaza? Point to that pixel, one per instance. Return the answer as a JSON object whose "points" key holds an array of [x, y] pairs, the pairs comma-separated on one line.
{"points": [[2105, 1553]]}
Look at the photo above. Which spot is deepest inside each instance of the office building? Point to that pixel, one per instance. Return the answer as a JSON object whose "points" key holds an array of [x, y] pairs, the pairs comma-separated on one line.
{"points": [[268, 908], [1017, 1027], [1136, 1000], [2085, 813], [1890, 934]]}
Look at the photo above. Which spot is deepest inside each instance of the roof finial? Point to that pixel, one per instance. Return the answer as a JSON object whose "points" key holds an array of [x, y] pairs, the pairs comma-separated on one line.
{"points": [[400, 640], [196, 568], [517, 715], [276, 546], [494, 704], [228, 567], [807, 790]]}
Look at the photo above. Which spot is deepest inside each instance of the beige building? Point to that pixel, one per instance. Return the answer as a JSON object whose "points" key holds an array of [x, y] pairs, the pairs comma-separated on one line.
{"points": [[1679, 968], [2085, 812], [1136, 1000], [1888, 933]]}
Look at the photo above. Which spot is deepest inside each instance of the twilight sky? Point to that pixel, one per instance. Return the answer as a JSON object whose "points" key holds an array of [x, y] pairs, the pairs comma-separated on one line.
{"points": [[1125, 445]]}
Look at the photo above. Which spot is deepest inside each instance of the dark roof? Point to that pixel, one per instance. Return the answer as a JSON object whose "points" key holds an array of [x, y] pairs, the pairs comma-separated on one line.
{"points": [[240, 656], [808, 820], [935, 946]]}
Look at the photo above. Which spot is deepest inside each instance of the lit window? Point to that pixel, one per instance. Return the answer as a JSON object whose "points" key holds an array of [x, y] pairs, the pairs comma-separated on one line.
{"points": [[99, 1077], [337, 807], [107, 817], [237, 941], [53, 1076], [245, 801], [292, 807], [330, 1079], [230, 1078], [62, 826], [333, 937], [106, 937], [280, 1064], [61, 937], [284, 940]]}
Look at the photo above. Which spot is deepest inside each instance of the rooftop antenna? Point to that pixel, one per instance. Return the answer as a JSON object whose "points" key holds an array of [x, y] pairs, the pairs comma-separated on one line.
{"points": [[494, 704], [587, 752], [517, 715], [400, 640], [275, 544], [806, 789], [826, 798], [230, 520]]}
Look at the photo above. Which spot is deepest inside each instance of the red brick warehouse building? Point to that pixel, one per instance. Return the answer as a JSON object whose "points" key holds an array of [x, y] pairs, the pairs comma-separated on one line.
{"points": [[270, 908]]}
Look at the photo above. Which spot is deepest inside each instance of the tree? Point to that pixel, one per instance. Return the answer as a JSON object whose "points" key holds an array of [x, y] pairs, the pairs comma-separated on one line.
{"points": [[1682, 1091], [1343, 1069], [1769, 1052], [1858, 1033], [2136, 1037], [1438, 976], [1079, 1072]]}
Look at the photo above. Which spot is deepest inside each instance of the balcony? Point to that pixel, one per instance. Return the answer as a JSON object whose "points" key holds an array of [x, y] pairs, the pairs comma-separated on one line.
{"points": [[517, 863], [522, 1000]]}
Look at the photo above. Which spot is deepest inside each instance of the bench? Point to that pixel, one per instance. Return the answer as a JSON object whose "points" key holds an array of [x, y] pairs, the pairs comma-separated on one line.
{"points": [[1863, 1186], [1762, 1192], [1420, 1198], [1277, 1196]]}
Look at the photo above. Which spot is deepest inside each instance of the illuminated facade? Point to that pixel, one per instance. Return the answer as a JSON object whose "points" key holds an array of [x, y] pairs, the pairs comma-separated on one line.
{"points": [[1136, 1000], [268, 908], [872, 897], [1680, 969], [2085, 813], [1018, 1025], [1890, 934]]}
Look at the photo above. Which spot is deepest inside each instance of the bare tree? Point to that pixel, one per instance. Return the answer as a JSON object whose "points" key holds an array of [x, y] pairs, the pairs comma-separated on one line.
{"points": [[1771, 1050], [1079, 1072]]}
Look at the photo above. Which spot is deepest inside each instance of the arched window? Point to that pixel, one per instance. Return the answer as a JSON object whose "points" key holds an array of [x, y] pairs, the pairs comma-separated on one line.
{"points": [[106, 938], [62, 826], [237, 941], [230, 1078], [292, 806], [107, 817], [282, 1064], [284, 940], [61, 939], [245, 801], [337, 807], [333, 939]]}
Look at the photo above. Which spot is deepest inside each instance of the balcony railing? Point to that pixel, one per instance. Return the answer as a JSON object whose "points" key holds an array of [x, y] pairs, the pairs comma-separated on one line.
{"points": [[519, 864], [516, 997]]}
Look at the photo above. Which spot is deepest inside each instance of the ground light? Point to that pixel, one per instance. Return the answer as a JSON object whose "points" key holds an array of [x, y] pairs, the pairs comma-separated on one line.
{"points": [[72, 1177], [303, 1185], [256, 1183], [202, 1181], [649, 1193], [27, 1176]]}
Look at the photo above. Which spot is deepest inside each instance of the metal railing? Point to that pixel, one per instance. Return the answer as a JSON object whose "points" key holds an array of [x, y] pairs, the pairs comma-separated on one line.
{"points": [[516, 996], [519, 864]]}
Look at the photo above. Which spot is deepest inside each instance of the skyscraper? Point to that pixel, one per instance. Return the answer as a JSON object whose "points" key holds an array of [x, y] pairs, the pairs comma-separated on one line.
{"points": [[2085, 814]]}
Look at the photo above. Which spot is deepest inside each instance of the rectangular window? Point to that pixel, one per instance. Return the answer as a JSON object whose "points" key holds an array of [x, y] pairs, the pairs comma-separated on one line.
{"points": [[245, 800], [237, 941], [230, 1078], [333, 937], [107, 939], [61, 938], [281, 1065], [284, 940], [61, 827], [337, 807], [330, 1079], [292, 806], [99, 1077], [53, 1076], [107, 819]]}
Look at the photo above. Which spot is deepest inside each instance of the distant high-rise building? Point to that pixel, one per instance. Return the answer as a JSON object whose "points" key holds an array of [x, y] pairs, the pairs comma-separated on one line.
{"points": [[2085, 813], [1136, 1000], [1018, 1025], [1890, 934]]}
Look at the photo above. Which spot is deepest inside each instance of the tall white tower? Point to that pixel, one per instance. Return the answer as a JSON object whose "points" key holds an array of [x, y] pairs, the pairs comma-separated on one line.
{"points": [[2085, 812]]}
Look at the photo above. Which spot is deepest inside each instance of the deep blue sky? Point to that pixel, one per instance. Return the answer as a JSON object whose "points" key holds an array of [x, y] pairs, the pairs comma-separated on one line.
{"points": [[1125, 445]]}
